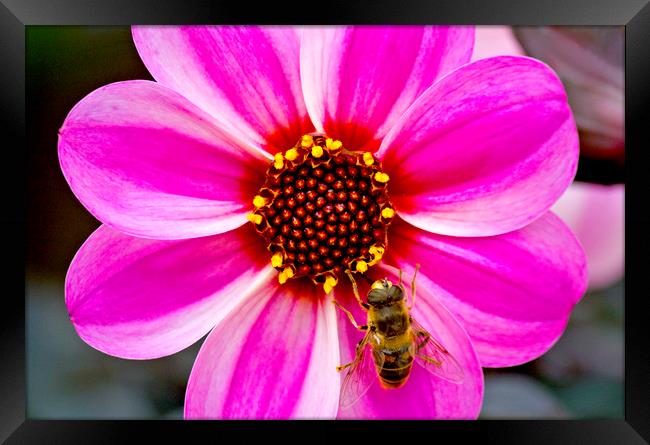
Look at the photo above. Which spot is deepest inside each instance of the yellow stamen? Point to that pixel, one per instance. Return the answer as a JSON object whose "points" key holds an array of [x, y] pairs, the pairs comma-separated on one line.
{"points": [[332, 144], [291, 154], [276, 259], [317, 151], [377, 252], [285, 275], [362, 266], [381, 177], [368, 159], [254, 218], [329, 284], [259, 201], [387, 212], [278, 163], [307, 141]]}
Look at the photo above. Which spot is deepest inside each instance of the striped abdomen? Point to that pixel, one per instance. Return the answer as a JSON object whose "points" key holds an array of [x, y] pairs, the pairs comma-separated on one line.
{"points": [[397, 355]]}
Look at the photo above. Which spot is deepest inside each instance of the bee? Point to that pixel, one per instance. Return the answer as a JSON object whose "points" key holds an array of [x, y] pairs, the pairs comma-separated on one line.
{"points": [[396, 341]]}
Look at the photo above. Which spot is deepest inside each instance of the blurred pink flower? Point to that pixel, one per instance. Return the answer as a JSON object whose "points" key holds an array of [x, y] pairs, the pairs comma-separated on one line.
{"points": [[596, 214], [589, 61], [492, 41], [476, 154]]}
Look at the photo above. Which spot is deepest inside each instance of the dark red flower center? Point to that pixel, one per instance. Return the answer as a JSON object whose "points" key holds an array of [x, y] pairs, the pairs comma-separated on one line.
{"points": [[322, 210]]}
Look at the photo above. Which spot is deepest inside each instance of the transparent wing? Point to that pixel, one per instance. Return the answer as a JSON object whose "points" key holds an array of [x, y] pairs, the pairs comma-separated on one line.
{"points": [[361, 374], [434, 357]]}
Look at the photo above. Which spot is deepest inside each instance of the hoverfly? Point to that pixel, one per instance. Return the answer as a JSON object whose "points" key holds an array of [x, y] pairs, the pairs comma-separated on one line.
{"points": [[396, 341]]}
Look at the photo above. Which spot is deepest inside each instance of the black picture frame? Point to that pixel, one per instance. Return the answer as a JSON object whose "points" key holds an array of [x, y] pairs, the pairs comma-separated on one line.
{"points": [[15, 15]]}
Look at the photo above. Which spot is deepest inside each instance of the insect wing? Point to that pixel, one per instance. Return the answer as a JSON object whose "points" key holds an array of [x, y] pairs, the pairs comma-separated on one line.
{"points": [[361, 375], [434, 357]]}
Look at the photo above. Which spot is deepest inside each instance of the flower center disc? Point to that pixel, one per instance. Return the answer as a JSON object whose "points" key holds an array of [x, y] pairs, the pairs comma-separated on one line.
{"points": [[323, 210]]}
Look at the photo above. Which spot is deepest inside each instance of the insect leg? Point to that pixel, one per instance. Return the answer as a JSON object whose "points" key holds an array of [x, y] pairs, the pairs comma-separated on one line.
{"points": [[342, 367], [421, 345], [355, 289], [424, 342], [417, 267], [428, 359], [350, 316], [356, 357]]}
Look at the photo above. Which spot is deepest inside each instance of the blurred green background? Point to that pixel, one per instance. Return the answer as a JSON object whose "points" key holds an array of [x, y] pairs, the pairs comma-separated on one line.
{"points": [[580, 377]]}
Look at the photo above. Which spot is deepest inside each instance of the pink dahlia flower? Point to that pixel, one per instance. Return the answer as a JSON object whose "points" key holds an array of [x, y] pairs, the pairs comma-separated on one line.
{"points": [[224, 213]]}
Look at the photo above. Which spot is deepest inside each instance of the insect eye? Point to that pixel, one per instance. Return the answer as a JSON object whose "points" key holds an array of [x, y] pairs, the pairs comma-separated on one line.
{"points": [[395, 293], [377, 296]]}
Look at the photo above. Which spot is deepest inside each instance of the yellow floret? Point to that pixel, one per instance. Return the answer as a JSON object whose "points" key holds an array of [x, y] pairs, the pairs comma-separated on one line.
{"points": [[362, 266], [307, 141], [381, 177], [387, 212], [285, 275], [368, 159], [377, 252], [276, 259], [291, 154], [254, 218], [329, 284], [333, 144], [317, 151], [259, 201], [278, 162]]}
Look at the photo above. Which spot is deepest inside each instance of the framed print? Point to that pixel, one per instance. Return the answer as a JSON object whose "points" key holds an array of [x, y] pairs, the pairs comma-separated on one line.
{"points": [[393, 217]]}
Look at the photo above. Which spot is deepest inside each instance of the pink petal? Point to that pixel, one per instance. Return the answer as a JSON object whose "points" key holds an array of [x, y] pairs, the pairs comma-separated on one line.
{"points": [[247, 77], [140, 299], [486, 150], [274, 357], [596, 214], [147, 162], [424, 396], [494, 41], [513, 293], [358, 80]]}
